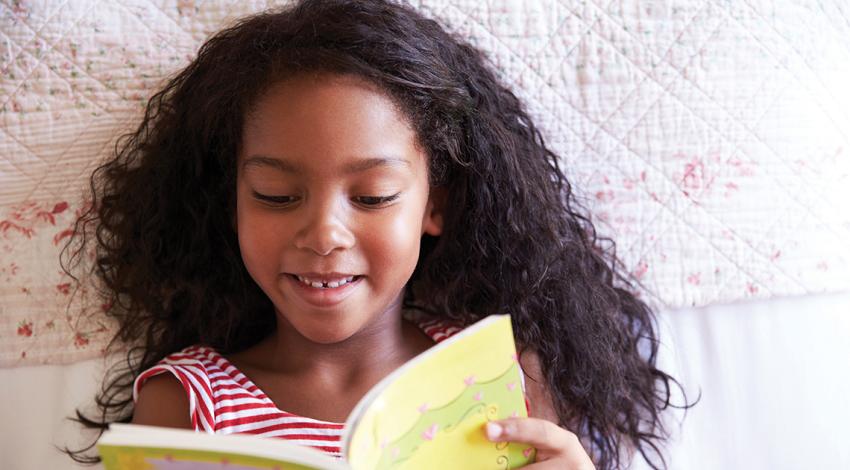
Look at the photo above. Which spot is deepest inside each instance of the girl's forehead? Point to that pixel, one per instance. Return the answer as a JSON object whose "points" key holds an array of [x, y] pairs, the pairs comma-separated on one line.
{"points": [[313, 89], [354, 165], [308, 117]]}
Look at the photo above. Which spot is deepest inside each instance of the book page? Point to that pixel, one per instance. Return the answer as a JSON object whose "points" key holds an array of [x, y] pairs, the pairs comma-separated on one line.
{"points": [[135, 447], [430, 413]]}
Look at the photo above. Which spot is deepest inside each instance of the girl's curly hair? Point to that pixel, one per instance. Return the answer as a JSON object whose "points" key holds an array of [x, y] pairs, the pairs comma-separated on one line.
{"points": [[514, 238]]}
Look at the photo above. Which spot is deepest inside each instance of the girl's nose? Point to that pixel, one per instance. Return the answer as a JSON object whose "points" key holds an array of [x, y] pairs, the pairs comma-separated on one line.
{"points": [[324, 232]]}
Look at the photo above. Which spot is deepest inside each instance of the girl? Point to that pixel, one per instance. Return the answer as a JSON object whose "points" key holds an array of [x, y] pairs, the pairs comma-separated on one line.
{"points": [[313, 173]]}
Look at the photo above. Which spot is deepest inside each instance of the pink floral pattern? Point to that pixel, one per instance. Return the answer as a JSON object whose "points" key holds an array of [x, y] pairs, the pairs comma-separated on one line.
{"points": [[50, 315]]}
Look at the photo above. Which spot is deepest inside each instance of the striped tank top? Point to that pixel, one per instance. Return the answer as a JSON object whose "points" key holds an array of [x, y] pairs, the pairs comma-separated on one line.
{"points": [[222, 400]]}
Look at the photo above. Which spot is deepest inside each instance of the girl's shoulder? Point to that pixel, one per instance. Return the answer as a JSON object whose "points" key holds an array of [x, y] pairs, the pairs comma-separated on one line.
{"points": [[198, 358], [199, 370], [169, 389], [197, 352], [191, 366]]}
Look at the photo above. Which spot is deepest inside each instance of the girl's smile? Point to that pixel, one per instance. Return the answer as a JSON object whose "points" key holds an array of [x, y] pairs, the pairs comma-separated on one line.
{"points": [[332, 201], [323, 290]]}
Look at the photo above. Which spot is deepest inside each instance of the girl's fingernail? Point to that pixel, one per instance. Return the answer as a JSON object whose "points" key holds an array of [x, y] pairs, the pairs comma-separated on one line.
{"points": [[493, 431]]}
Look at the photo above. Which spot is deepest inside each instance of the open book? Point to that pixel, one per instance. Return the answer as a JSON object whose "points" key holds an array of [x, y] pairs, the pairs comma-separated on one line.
{"points": [[429, 413]]}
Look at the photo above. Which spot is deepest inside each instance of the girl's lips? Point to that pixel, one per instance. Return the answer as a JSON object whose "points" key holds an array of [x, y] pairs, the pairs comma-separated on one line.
{"points": [[322, 297]]}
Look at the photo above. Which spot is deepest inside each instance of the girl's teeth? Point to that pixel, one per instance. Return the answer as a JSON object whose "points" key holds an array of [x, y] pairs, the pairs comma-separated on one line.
{"points": [[326, 285]]}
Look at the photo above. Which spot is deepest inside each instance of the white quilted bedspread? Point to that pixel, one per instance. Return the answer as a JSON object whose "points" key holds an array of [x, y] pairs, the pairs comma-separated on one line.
{"points": [[710, 139]]}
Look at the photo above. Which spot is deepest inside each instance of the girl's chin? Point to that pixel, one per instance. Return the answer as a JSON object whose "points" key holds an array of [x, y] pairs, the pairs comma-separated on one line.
{"points": [[329, 325], [324, 330]]}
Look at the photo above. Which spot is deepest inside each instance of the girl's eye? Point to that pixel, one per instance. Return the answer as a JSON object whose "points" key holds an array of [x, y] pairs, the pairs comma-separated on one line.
{"points": [[376, 200], [277, 200], [371, 201]]}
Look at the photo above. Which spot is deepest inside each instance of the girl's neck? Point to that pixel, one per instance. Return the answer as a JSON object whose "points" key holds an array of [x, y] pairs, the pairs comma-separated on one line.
{"points": [[367, 356]]}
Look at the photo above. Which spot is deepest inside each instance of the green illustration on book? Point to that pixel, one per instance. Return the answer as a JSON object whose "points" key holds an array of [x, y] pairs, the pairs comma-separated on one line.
{"points": [[429, 413], [433, 438]]}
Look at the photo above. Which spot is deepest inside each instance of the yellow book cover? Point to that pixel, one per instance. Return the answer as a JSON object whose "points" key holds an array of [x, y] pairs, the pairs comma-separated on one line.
{"points": [[427, 414]]}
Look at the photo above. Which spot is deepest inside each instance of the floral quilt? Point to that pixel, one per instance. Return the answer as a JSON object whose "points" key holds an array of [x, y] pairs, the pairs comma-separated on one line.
{"points": [[710, 139]]}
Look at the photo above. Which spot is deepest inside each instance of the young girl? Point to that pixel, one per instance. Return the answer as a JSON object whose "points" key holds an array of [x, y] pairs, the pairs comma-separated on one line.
{"points": [[324, 193]]}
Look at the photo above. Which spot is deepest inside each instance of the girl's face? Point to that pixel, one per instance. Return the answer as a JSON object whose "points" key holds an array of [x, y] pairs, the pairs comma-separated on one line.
{"points": [[332, 201]]}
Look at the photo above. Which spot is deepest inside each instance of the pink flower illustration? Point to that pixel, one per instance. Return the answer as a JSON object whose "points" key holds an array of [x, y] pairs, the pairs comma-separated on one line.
{"points": [[430, 433], [81, 340], [695, 177], [25, 328], [694, 279], [6, 226], [605, 196], [63, 234], [641, 269]]}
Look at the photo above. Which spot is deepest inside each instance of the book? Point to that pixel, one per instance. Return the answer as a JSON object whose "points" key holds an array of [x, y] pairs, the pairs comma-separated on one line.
{"points": [[429, 413]]}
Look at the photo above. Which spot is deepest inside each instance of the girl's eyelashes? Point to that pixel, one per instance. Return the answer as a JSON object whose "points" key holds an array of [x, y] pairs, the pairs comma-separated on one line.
{"points": [[368, 201], [277, 200], [376, 201]]}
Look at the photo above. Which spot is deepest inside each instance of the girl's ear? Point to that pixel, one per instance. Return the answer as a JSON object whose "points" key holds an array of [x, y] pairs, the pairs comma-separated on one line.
{"points": [[432, 223]]}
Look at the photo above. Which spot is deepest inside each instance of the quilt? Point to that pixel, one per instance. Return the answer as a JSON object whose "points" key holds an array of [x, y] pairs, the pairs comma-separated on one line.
{"points": [[708, 138]]}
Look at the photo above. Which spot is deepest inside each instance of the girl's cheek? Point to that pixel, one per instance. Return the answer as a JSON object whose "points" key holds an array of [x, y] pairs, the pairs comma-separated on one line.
{"points": [[258, 233]]}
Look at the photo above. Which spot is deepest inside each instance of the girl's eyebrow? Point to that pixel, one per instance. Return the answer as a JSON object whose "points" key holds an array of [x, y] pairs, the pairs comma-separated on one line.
{"points": [[357, 166]]}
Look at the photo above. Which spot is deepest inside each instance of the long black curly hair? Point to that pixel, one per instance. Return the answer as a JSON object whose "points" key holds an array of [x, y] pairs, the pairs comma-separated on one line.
{"points": [[514, 240]]}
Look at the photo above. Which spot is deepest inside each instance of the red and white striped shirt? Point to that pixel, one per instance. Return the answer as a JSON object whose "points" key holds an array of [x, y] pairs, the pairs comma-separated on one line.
{"points": [[222, 400]]}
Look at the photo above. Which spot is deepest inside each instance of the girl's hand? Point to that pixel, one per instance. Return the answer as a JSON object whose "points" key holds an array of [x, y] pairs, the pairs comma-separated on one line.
{"points": [[556, 447]]}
